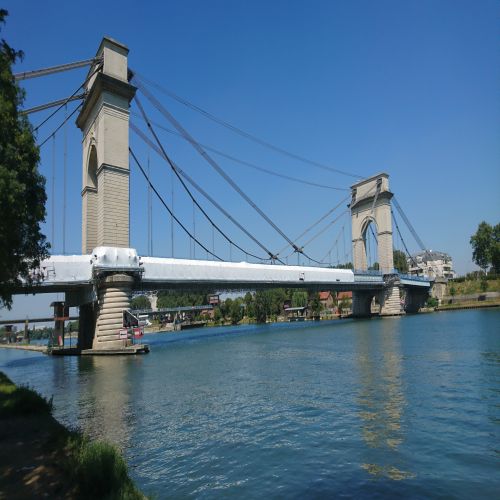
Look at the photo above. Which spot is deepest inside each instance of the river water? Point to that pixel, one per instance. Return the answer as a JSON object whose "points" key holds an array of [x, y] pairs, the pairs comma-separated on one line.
{"points": [[368, 408]]}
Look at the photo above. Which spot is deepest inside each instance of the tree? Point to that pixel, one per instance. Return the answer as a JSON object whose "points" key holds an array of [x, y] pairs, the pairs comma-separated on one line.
{"points": [[225, 307], [236, 311], [495, 249], [22, 188], [140, 302], [348, 265], [485, 244], [299, 298], [249, 305], [400, 262], [262, 305], [174, 298], [316, 305]]}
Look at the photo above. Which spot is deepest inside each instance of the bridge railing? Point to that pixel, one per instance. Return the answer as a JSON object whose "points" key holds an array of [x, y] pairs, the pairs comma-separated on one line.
{"points": [[377, 275], [371, 275], [413, 277]]}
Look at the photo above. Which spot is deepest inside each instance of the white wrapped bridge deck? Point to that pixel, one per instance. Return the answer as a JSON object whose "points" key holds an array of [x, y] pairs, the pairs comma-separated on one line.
{"points": [[66, 273]]}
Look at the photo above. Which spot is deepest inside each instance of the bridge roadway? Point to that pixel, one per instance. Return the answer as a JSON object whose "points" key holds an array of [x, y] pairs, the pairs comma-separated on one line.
{"points": [[68, 273]]}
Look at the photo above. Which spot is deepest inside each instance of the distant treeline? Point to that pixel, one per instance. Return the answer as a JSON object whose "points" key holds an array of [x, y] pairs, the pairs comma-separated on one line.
{"points": [[257, 306]]}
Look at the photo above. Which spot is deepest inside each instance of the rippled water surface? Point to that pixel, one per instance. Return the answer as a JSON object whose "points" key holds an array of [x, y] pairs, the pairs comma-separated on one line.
{"points": [[369, 408]]}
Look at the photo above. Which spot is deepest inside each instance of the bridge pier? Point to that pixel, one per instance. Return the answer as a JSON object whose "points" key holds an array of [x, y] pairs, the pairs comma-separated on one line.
{"points": [[415, 300], [114, 294], [390, 297], [86, 325], [362, 303]]}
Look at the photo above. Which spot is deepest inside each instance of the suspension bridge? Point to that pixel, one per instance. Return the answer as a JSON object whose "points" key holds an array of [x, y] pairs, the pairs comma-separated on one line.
{"points": [[101, 280]]}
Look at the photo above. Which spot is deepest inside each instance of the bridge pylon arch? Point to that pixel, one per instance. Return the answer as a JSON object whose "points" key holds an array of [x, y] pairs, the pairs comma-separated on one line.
{"points": [[371, 203]]}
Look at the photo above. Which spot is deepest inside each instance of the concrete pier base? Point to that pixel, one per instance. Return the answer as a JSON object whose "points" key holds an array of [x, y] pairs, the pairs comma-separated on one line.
{"points": [[114, 296], [361, 303], [390, 302]]}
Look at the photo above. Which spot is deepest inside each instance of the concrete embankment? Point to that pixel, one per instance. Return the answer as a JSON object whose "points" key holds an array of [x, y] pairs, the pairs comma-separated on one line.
{"points": [[467, 305], [26, 347]]}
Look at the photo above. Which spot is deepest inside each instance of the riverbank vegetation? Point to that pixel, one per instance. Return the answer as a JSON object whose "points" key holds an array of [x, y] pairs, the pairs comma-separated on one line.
{"points": [[485, 244], [41, 458], [473, 283]]}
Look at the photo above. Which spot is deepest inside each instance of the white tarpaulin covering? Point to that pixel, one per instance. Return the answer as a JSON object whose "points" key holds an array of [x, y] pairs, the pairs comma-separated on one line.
{"points": [[202, 271]]}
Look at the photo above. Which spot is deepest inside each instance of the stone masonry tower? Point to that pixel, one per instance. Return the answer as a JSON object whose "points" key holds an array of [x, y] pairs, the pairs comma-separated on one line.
{"points": [[104, 121], [371, 203]]}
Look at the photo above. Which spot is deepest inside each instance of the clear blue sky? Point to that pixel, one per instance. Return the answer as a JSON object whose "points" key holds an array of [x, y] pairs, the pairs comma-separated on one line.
{"points": [[411, 88]]}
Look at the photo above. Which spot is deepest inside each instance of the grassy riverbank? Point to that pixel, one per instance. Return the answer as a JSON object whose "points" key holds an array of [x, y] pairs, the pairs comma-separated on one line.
{"points": [[41, 458]]}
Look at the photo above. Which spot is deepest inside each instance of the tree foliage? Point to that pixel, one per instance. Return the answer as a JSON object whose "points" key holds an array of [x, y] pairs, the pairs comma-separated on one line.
{"points": [[22, 187], [315, 304], [173, 298], [485, 244], [348, 265], [400, 262], [299, 298], [236, 311], [140, 302]]}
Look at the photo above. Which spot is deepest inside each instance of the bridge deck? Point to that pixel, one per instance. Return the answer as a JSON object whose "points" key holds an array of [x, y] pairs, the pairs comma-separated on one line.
{"points": [[62, 273]]}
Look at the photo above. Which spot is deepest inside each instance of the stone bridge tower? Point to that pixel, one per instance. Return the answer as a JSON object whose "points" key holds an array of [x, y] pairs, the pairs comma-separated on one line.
{"points": [[371, 204], [104, 121]]}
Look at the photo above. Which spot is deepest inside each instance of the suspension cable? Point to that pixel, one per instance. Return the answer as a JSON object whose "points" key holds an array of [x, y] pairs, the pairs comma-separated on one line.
{"points": [[168, 208], [98, 67], [334, 245], [52, 104], [55, 69], [53, 192], [322, 218], [59, 127], [312, 226], [173, 167], [416, 236], [408, 223], [246, 163], [65, 175], [212, 163], [241, 132], [321, 231], [176, 168]]}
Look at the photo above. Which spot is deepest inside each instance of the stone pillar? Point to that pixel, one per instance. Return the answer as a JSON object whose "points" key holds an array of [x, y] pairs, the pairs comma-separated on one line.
{"points": [[114, 294], [104, 121], [86, 325], [415, 300], [361, 303], [390, 297], [438, 289]]}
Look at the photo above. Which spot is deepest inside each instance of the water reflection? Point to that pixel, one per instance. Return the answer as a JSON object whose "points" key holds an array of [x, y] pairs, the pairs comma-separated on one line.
{"points": [[104, 399], [381, 398]]}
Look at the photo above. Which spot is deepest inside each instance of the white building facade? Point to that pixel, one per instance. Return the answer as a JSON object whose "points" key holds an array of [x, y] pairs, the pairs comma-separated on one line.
{"points": [[431, 263]]}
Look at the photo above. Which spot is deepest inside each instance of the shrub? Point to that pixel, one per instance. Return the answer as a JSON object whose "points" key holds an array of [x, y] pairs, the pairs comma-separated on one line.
{"points": [[20, 400], [101, 472], [432, 302]]}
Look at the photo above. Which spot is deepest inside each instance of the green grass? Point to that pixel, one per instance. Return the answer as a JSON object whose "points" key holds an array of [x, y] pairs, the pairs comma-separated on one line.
{"points": [[100, 471], [97, 468], [17, 401]]}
